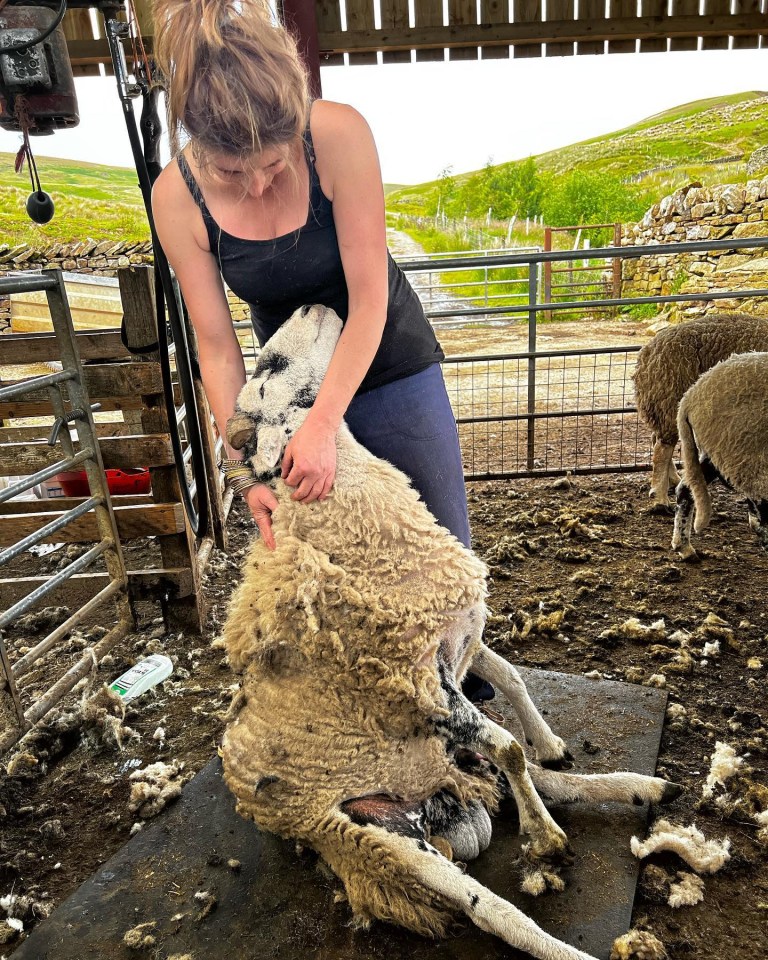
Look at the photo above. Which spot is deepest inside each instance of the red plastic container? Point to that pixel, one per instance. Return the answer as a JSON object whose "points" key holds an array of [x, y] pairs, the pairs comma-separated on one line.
{"points": [[134, 480]]}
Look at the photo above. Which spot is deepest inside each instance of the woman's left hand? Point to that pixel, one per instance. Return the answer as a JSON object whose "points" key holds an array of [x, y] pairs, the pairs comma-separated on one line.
{"points": [[309, 462]]}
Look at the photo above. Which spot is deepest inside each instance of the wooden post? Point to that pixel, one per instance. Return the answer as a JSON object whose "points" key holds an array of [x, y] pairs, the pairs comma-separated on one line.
{"points": [[137, 290], [300, 18]]}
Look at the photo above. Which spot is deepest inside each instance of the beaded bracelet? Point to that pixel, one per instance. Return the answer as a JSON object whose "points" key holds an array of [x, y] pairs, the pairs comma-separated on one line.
{"points": [[239, 476]]}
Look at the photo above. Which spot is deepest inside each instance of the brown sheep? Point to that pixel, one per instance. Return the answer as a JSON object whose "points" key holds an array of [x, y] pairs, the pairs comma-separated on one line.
{"points": [[674, 360]]}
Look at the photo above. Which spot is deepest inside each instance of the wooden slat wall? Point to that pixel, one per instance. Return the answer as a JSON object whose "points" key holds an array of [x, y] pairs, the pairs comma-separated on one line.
{"points": [[654, 8], [462, 13], [394, 13], [526, 11], [622, 9], [329, 20], [684, 8], [560, 10], [77, 26], [494, 11], [360, 17], [714, 8], [746, 6], [429, 13], [133, 523], [591, 10]]}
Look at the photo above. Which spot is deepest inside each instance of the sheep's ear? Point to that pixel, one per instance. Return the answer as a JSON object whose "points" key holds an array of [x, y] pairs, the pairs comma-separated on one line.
{"points": [[239, 430], [269, 445]]}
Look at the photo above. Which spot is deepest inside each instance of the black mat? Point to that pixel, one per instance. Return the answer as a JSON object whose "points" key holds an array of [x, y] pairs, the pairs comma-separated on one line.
{"points": [[277, 906]]}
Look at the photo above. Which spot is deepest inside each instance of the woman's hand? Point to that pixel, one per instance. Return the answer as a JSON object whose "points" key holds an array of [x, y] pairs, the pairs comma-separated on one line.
{"points": [[262, 501], [309, 462]]}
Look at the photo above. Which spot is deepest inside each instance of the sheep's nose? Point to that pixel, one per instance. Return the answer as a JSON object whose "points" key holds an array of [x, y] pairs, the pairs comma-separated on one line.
{"points": [[305, 309]]}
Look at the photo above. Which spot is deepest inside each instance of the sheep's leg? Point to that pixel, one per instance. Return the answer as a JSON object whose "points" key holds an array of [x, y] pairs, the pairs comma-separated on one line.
{"points": [[758, 520], [483, 907], [681, 535], [685, 513], [623, 787], [395, 830], [550, 749], [674, 476], [661, 473], [465, 726]]}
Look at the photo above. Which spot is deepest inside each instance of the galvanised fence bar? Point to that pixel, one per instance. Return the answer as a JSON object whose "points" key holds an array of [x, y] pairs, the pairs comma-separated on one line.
{"points": [[16, 716], [547, 413]]}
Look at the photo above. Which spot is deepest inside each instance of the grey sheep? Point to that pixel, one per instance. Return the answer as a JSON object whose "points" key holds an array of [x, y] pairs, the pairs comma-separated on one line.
{"points": [[674, 360], [723, 425]]}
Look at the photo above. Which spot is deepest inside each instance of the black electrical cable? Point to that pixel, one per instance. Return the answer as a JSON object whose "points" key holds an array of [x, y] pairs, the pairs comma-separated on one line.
{"points": [[166, 298], [26, 44]]}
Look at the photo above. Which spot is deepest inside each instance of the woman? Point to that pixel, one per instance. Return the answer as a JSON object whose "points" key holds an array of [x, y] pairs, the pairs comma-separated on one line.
{"points": [[282, 199]]}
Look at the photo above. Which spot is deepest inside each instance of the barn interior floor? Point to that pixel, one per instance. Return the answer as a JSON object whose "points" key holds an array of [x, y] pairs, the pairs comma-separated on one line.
{"points": [[277, 905]]}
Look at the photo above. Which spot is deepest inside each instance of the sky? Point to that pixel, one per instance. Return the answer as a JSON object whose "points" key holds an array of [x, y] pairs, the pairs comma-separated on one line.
{"points": [[426, 117]]}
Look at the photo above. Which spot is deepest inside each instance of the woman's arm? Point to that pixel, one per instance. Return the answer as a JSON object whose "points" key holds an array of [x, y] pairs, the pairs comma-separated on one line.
{"points": [[348, 167], [221, 359]]}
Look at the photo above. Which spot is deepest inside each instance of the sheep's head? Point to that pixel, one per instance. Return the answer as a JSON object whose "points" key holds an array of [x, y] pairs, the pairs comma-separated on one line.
{"points": [[288, 374]]}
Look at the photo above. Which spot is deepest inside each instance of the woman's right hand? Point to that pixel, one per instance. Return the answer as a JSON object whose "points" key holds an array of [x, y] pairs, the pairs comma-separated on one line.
{"points": [[262, 501]]}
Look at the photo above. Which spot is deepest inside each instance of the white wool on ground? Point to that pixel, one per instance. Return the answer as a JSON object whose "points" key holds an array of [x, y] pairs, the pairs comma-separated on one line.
{"points": [[638, 945], [686, 891], [689, 843], [537, 880], [155, 786], [725, 764], [711, 649]]}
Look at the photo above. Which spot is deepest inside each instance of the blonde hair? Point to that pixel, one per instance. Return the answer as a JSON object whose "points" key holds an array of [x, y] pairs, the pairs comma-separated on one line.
{"points": [[236, 83]]}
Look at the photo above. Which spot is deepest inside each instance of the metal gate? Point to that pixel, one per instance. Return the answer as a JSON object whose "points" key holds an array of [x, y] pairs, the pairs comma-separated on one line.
{"points": [[546, 412], [16, 715]]}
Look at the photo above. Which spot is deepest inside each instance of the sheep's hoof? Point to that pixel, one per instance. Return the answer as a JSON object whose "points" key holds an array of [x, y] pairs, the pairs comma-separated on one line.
{"points": [[558, 763], [688, 554], [660, 509], [671, 792]]}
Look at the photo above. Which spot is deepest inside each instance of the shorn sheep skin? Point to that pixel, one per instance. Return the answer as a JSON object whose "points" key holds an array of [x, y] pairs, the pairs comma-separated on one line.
{"points": [[674, 360], [350, 733]]}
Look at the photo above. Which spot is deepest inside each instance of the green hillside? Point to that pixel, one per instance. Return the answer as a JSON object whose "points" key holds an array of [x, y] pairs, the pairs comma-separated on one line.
{"points": [[103, 203], [689, 139], [686, 142]]}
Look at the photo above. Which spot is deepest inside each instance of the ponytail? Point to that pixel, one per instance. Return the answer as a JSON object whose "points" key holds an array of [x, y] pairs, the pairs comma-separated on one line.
{"points": [[235, 81]]}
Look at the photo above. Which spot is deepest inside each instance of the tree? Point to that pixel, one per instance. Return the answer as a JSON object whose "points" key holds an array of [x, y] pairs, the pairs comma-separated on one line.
{"points": [[446, 189], [583, 197]]}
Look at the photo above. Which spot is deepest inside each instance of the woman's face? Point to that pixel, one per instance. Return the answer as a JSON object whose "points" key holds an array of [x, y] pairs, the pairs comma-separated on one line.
{"points": [[252, 176]]}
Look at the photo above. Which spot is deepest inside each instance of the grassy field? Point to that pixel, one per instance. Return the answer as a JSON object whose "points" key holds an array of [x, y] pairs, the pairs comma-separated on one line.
{"points": [[103, 203]]}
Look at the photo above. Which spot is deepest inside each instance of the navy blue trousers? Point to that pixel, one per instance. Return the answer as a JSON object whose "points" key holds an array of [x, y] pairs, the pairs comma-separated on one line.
{"points": [[410, 423]]}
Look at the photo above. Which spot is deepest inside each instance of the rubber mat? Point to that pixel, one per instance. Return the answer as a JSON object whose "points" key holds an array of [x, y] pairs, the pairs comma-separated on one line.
{"points": [[174, 875]]}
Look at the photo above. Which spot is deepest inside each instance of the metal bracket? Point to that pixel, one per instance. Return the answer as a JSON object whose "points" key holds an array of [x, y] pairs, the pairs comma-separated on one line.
{"points": [[60, 422]]}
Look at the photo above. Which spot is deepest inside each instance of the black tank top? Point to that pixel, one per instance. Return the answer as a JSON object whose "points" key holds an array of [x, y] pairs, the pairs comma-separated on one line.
{"points": [[275, 277]]}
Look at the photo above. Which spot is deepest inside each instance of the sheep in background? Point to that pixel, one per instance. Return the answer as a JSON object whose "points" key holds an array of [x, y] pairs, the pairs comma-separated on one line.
{"points": [[351, 734], [723, 425], [670, 363]]}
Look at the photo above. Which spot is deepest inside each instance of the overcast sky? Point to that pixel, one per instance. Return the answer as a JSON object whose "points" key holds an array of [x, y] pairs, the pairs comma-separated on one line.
{"points": [[429, 116]]}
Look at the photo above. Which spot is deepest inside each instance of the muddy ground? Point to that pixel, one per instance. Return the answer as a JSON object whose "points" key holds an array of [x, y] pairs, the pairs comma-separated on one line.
{"points": [[571, 561]]}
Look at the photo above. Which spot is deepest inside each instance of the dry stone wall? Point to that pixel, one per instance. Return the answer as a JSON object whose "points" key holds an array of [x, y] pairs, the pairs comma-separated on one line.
{"points": [[99, 258], [701, 213]]}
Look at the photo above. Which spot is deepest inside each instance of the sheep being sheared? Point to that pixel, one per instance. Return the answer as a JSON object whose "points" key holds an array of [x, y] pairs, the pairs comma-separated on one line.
{"points": [[670, 363], [350, 733], [723, 424]]}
